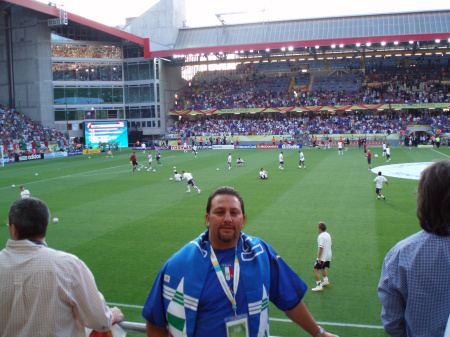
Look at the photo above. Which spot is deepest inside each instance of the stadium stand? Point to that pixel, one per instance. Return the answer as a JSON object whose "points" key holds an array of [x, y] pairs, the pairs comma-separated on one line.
{"points": [[17, 129]]}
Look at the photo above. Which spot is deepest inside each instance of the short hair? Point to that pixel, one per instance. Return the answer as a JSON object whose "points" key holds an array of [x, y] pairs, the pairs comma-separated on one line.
{"points": [[227, 191], [433, 198], [379, 173], [30, 216], [322, 226]]}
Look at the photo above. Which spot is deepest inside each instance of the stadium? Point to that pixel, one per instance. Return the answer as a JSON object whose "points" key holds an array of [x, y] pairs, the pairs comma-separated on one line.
{"points": [[254, 89]]}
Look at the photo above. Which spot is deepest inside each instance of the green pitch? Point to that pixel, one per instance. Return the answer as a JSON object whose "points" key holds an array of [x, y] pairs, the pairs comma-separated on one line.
{"points": [[126, 224]]}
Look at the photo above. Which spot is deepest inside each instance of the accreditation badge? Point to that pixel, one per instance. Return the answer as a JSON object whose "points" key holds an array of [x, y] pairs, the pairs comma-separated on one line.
{"points": [[237, 326]]}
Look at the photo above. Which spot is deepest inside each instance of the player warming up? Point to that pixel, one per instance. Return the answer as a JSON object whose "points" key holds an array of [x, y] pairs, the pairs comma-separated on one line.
{"points": [[281, 160], [190, 181], [263, 174], [301, 160], [323, 257], [133, 161], [379, 185]]}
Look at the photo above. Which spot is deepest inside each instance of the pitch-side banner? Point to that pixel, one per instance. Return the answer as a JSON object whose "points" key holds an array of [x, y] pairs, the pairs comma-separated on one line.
{"points": [[223, 147]]}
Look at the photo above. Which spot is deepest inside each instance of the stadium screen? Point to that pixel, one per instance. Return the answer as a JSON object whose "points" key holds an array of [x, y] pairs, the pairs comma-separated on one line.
{"points": [[105, 132]]}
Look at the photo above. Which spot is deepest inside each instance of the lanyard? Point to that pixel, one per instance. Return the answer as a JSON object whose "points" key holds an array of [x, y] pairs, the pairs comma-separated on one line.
{"points": [[221, 277]]}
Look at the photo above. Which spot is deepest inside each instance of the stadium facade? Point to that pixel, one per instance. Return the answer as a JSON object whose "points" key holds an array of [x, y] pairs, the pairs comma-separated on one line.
{"points": [[62, 70]]}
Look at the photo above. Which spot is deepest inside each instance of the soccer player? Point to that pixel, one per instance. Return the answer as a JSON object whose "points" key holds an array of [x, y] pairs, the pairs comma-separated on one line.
{"points": [[190, 181], [340, 151], [150, 160], [323, 257], [229, 161], [178, 176], [144, 147], [388, 153], [263, 174], [379, 185], [281, 160], [158, 158], [384, 149], [25, 193], [369, 159], [185, 147], [134, 161], [194, 150], [109, 152], [239, 162], [302, 160]]}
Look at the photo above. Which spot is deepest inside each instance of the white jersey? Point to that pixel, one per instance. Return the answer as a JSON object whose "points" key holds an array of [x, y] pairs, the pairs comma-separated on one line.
{"points": [[384, 147], [280, 157], [178, 177], [340, 145], [229, 159], [25, 194], [324, 241], [302, 157], [185, 145], [194, 148], [150, 158], [263, 174], [388, 151], [187, 176], [379, 181]]}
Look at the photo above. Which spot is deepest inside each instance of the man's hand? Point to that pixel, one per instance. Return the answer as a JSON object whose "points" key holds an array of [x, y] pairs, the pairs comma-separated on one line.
{"points": [[117, 314]]}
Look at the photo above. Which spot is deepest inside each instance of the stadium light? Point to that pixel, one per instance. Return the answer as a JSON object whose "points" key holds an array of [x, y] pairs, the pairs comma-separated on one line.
{"points": [[333, 46], [251, 50], [383, 43], [411, 42], [268, 49], [396, 43], [368, 44], [290, 48], [283, 48], [437, 41], [358, 44], [317, 47], [341, 46]]}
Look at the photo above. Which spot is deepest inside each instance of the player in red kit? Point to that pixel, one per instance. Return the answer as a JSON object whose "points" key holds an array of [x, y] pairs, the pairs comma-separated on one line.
{"points": [[134, 161]]}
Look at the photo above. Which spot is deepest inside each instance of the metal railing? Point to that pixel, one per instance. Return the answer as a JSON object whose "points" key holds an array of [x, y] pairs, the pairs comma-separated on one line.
{"points": [[133, 327]]}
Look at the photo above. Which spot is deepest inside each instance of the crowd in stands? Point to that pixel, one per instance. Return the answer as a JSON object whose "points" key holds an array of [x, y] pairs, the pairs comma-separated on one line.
{"points": [[82, 51], [16, 128], [396, 80], [345, 123]]}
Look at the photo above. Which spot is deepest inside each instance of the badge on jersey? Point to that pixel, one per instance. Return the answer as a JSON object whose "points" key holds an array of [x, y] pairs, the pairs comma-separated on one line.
{"points": [[237, 326]]}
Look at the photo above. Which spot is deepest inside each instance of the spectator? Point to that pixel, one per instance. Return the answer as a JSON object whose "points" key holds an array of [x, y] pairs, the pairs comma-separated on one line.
{"points": [[44, 290]]}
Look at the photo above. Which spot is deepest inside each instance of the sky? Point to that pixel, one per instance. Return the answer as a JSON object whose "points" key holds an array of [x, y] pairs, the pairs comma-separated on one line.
{"points": [[201, 13]]}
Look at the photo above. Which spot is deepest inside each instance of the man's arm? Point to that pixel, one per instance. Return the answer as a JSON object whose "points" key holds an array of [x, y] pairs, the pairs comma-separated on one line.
{"points": [[301, 316], [156, 331], [319, 254]]}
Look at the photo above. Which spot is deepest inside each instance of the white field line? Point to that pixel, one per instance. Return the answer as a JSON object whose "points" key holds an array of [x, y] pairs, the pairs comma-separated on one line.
{"points": [[68, 176], [285, 320], [440, 153]]}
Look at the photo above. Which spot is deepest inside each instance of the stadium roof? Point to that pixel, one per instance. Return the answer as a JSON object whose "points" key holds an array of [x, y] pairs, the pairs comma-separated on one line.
{"points": [[376, 28], [104, 33]]}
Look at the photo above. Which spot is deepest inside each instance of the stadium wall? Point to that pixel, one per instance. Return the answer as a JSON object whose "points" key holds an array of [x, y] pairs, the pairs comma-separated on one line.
{"points": [[27, 65]]}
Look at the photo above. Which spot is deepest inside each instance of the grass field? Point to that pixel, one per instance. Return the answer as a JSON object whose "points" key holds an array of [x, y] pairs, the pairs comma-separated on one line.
{"points": [[126, 224]]}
